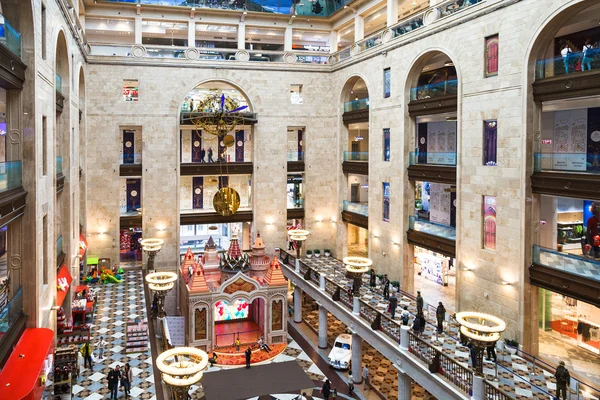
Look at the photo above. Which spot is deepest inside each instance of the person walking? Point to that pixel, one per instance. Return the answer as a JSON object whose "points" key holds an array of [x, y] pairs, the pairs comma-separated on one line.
{"points": [[101, 345], [126, 379], [326, 389], [202, 155], [419, 324], [365, 375], [210, 155], [350, 384], [563, 379], [248, 354], [587, 55], [491, 352], [393, 305], [440, 315], [386, 287], [114, 376], [372, 278], [419, 303], [566, 56], [86, 352]]}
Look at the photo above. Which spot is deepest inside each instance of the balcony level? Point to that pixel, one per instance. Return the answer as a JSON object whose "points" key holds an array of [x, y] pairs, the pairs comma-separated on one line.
{"points": [[216, 168], [131, 165], [295, 161], [356, 214], [12, 69], [356, 162], [356, 111], [12, 194], [565, 174], [433, 236], [434, 98], [432, 167]]}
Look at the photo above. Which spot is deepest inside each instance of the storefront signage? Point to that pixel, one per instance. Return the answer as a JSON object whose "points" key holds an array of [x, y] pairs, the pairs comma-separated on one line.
{"points": [[311, 47], [546, 141], [63, 282], [83, 244]]}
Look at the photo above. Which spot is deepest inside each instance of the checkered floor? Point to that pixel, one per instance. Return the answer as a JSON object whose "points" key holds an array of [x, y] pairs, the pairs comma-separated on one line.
{"points": [[384, 376], [573, 264], [516, 376], [117, 304]]}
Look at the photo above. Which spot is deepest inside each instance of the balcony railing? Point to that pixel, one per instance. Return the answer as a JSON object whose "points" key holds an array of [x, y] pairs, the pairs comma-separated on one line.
{"points": [[566, 162], [356, 156], [210, 54], [10, 313], [432, 228], [10, 175], [59, 246], [432, 158], [575, 62], [356, 208], [266, 6], [58, 84], [295, 156], [135, 158], [577, 265], [356, 105], [59, 165], [434, 90], [10, 37]]}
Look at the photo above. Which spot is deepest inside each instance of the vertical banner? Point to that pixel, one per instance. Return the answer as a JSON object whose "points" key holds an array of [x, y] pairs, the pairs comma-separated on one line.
{"points": [[198, 192], [422, 143], [439, 204], [491, 140], [452, 208], [239, 146], [223, 181], [386, 144], [570, 137], [128, 147], [593, 139], [133, 194], [222, 150], [300, 138], [442, 143], [197, 146], [386, 202]]}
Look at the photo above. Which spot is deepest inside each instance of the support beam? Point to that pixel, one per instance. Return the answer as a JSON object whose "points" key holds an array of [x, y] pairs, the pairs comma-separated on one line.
{"points": [[392, 12], [334, 39], [404, 384], [322, 327], [356, 357], [297, 305], [359, 28], [241, 36], [191, 33], [287, 44], [138, 30]]}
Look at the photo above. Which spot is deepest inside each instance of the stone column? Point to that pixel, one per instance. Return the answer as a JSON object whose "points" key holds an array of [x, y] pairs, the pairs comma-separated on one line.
{"points": [[14, 239], [138, 30], [359, 28], [322, 327], [241, 36], [191, 33], [287, 44], [392, 12], [297, 305], [356, 358], [404, 384], [333, 41], [404, 337]]}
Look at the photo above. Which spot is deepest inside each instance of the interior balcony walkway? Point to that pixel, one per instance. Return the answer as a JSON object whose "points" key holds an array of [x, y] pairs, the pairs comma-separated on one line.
{"points": [[514, 376]]}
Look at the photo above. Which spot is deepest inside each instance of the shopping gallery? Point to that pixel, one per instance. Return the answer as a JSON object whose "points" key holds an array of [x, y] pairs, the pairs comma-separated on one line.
{"points": [[299, 199]]}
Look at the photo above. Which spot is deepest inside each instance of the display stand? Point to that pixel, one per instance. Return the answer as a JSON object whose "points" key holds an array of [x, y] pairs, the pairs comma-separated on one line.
{"points": [[66, 370], [83, 307], [137, 337]]}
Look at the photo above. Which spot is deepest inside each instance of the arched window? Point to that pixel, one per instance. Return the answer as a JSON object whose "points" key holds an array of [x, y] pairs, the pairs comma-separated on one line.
{"points": [[489, 222], [491, 55]]}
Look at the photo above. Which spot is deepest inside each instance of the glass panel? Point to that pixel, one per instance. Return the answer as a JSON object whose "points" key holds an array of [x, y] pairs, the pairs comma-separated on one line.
{"points": [[570, 162], [387, 78], [355, 105], [433, 90], [59, 165], [386, 202], [490, 142], [357, 208], [408, 25], [10, 313], [10, 37], [58, 83], [455, 6], [356, 156], [386, 144], [432, 158], [59, 245], [432, 228], [568, 63], [10, 175], [295, 156], [572, 264]]}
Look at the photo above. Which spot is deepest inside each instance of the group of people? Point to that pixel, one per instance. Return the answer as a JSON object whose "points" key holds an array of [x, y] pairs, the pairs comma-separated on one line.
{"points": [[203, 154], [125, 376], [570, 59]]}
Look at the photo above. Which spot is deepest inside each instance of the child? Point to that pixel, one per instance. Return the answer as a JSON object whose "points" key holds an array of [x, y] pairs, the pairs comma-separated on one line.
{"points": [[334, 394], [350, 384]]}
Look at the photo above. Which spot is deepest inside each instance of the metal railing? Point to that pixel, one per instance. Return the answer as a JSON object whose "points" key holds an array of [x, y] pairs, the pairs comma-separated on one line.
{"points": [[494, 393], [59, 165], [432, 228], [10, 37], [10, 313], [228, 339], [356, 105], [574, 62], [10, 175], [567, 162], [357, 208], [566, 262], [432, 158], [134, 158], [295, 156], [356, 156], [434, 90]]}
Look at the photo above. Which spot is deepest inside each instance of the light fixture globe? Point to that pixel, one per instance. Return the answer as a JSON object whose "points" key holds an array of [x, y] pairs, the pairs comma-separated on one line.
{"points": [[357, 265], [152, 242], [482, 330], [151, 246], [182, 367], [298, 234], [161, 283]]}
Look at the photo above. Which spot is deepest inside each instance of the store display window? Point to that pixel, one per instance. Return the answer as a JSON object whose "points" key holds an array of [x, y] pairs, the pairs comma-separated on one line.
{"points": [[129, 245], [195, 237], [295, 144], [490, 142], [386, 202], [489, 222], [130, 90], [433, 266], [295, 191], [436, 142], [296, 94], [435, 202], [386, 144], [387, 83]]}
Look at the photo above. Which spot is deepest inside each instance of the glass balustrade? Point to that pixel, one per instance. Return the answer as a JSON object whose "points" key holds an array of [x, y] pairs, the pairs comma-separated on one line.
{"points": [[432, 228], [295, 156], [10, 313], [432, 158], [407, 25], [356, 208], [434, 90], [567, 162], [10, 37], [59, 246], [371, 41], [10, 175], [132, 158], [574, 62], [585, 266], [58, 84], [356, 105], [59, 165], [356, 156]]}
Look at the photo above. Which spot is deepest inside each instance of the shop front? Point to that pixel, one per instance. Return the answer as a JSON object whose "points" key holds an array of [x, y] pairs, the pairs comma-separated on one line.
{"points": [[434, 267]]}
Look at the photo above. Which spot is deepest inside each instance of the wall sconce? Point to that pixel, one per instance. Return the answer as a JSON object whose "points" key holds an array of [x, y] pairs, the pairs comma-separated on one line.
{"points": [[270, 223], [374, 236], [506, 283], [161, 228], [395, 243], [101, 231], [319, 221], [467, 269], [333, 220]]}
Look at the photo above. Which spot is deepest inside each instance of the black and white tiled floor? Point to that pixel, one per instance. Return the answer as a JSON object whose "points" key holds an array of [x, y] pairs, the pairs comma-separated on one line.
{"points": [[118, 303]]}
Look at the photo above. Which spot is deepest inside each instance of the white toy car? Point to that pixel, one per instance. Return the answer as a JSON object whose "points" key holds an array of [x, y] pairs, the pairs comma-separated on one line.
{"points": [[341, 354]]}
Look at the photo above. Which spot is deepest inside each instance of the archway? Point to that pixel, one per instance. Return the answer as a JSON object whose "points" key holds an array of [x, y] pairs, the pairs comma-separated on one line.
{"points": [[432, 139], [560, 138]]}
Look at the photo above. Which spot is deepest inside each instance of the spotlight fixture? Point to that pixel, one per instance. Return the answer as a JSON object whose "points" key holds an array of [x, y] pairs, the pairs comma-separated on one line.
{"points": [[374, 236], [395, 243], [467, 269], [506, 283]]}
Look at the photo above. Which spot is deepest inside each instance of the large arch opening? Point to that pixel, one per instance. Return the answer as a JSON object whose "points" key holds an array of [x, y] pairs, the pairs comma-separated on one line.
{"points": [[563, 137], [432, 135]]}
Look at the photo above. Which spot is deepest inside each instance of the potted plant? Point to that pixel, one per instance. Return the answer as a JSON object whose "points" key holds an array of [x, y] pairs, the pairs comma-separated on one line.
{"points": [[317, 253], [511, 346], [308, 253], [327, 252], [395, 285]]}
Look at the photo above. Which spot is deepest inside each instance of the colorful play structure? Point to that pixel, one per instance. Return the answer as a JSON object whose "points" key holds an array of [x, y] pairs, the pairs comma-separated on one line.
{"points": [[105, 276]]}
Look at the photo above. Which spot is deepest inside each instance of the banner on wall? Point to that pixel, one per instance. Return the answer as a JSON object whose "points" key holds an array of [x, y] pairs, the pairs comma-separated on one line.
{"points": [[441, 143], [570, 139], [128, 147], [593, 140], [133, 194], [386, 202], [198, 192], [197, 146], [439, 204], [239, 146]]}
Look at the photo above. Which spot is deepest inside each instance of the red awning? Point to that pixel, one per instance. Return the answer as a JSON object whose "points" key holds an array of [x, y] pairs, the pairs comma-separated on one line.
{"points": [[83, 245], [63, 283], [20, 378]]}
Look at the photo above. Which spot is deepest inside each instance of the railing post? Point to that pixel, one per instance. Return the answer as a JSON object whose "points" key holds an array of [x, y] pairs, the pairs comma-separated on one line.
{"points": [[297, 265], [297, 305], [404, 337], [356, 305], [322, 281], [478, 388]]}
